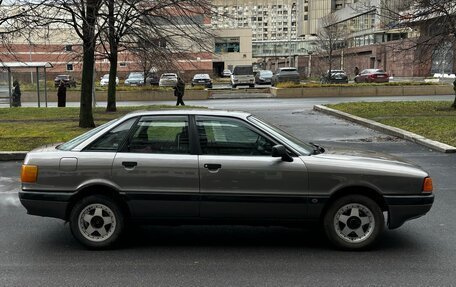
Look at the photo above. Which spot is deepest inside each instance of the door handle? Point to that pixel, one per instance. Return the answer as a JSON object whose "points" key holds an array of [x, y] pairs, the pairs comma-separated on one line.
{"points": [[212, 166], [129, 164]]}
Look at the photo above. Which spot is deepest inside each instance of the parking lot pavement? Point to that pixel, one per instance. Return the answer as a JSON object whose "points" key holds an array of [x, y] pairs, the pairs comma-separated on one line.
{"points": [[41, 251]]}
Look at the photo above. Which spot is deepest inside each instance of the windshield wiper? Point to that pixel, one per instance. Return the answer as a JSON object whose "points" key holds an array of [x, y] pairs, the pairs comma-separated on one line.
{"points": [[317, 149]]}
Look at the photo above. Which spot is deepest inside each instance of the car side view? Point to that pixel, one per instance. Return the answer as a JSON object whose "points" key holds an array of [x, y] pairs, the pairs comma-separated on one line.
{"points": [[217, 167]]}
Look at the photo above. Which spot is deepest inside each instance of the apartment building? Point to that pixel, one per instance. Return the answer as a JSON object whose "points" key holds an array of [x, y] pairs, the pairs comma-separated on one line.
{"points": [[280, 28]]}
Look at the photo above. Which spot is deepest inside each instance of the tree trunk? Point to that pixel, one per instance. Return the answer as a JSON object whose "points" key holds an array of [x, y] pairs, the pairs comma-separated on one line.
{"points": [[454, 89], [111, 106], [88, 43], [113, 57]]}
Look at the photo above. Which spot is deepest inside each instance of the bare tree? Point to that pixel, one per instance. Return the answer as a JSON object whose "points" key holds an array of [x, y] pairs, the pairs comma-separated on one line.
{"points": [[431, 25], [82, 17], [331, 37], [152, 30]]}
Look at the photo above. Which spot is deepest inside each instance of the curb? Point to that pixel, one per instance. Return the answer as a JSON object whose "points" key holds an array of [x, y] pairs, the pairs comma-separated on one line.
{"points": [[12, 155], [438, 146]]}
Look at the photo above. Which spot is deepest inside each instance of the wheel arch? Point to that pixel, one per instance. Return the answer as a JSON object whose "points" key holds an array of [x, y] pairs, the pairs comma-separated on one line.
{"points": [[359, 190], [98, 189]]}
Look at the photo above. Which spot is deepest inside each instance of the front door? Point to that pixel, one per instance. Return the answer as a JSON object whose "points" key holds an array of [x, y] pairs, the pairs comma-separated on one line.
{"points": [[240, 179], [156, 169]]}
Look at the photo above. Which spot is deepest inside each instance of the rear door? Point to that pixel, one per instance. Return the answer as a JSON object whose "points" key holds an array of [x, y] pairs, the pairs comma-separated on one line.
{"points": [[240, 179], [156, 169]]}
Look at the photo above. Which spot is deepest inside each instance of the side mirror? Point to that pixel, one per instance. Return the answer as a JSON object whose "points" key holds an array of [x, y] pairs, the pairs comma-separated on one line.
{"points": [[281, 151]]}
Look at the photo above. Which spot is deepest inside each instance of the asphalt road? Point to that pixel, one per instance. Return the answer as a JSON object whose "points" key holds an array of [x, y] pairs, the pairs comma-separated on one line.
{"points": [[38, 251]]}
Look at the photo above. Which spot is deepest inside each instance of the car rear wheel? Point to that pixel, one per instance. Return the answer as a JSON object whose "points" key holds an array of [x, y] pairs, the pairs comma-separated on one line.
{"points": [[97, 222], [353, 222]]}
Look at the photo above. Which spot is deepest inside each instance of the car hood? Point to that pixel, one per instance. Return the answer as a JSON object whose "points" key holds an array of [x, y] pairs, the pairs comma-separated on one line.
{"points": [[364, 155], [46, 148]]}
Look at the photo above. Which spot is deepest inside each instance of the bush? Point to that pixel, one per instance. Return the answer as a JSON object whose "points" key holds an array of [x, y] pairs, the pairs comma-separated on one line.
{"points": [[285, 85]]}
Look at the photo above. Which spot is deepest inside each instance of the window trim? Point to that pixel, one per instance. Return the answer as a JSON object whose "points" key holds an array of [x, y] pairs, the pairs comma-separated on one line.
{"points": [[192, 148], [247, 124], [88, 147]]}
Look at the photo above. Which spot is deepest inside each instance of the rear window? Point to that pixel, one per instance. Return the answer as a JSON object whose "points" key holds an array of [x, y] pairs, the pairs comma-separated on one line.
{"points": [[201, 76], [288, 70], [243, 70]]}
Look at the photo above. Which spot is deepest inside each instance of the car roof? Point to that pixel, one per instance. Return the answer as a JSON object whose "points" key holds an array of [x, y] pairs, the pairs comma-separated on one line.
{"points": [[201, 112], [287, 68]]}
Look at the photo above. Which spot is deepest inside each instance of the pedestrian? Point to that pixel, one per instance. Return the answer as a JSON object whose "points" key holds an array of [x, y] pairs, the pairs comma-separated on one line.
{"points": [[61, 95], [356, 71], [16, 94], [179, 91]]}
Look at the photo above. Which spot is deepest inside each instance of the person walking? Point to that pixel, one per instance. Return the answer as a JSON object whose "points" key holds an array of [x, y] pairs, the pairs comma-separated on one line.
{"points": [[356, 71], [16, 94], [61, 95], [179, 91]]}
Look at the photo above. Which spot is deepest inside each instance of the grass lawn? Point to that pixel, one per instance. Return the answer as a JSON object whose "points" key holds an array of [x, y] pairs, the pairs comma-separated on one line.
{"points": [[22, 129], [434, 120]]}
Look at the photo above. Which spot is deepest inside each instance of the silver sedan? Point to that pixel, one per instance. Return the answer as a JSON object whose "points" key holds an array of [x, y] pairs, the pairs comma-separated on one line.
{"points": [[208, 167]]}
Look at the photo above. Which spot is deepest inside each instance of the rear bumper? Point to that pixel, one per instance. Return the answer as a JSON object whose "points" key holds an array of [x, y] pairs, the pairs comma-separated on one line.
{"points": [[47, 204], [403, 208]]}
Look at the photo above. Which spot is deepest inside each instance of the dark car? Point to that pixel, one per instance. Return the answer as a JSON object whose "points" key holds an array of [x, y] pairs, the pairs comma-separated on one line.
{"points": [[217, 167], [152, 79], [337, 77], [372, 76], [287, 74], [202, 80], [67, 79], [263, 77]]}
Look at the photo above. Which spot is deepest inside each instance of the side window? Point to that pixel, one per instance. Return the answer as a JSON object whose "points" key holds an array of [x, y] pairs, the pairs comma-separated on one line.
{"points": [[223, 136], [158, 134], [114, 138]]}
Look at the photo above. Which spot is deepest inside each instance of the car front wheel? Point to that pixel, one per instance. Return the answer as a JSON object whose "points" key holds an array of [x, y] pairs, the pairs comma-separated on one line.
{"points": [[97, 222], [353, 222]]}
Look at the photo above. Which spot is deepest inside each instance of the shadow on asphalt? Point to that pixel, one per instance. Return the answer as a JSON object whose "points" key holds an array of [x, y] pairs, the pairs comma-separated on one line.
{"points": [[149, 238]]}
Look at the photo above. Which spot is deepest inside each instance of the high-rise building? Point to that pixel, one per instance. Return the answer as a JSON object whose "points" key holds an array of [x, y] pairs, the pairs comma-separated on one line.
{"points": [[279, 27]]}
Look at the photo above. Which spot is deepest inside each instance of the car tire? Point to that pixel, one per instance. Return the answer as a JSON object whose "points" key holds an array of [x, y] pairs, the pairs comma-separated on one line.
{"points": [[233, 86], [353, 222], [97, 222], [251, 86]]}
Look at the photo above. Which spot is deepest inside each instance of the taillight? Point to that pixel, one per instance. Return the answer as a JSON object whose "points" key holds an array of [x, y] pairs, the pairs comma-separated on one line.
{"points": [[372, 76], [29, 173], [427, 185]]}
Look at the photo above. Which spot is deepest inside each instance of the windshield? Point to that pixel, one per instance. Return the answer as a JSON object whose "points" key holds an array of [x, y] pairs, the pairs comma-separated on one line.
{"points": [[243, 70], [299, 146], [266, 73], [106, 77], [71, 144]]}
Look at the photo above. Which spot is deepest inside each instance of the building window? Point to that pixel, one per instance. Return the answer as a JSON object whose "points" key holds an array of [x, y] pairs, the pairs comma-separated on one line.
{"points": [[306, 17], [68, 48], [69, 67], [123, 64], [227, 45]]}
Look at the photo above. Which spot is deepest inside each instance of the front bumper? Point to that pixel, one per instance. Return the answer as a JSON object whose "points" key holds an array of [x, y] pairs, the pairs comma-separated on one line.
{"points": [[47, 204], [403, 208]]}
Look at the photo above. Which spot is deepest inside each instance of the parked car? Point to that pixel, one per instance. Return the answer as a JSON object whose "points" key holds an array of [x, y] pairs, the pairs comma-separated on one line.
{"points": [[168, 80], [287, 74], [202, 79], [135, 79], [263, 77], [207, 166], [243, 76], [226, 73], [372, 76], [105, 80], [152, 79], [67, 79], [337, 77]]}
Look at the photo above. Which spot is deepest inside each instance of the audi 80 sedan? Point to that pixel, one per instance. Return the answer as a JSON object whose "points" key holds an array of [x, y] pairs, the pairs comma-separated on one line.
{"points": [[217, 167]]}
